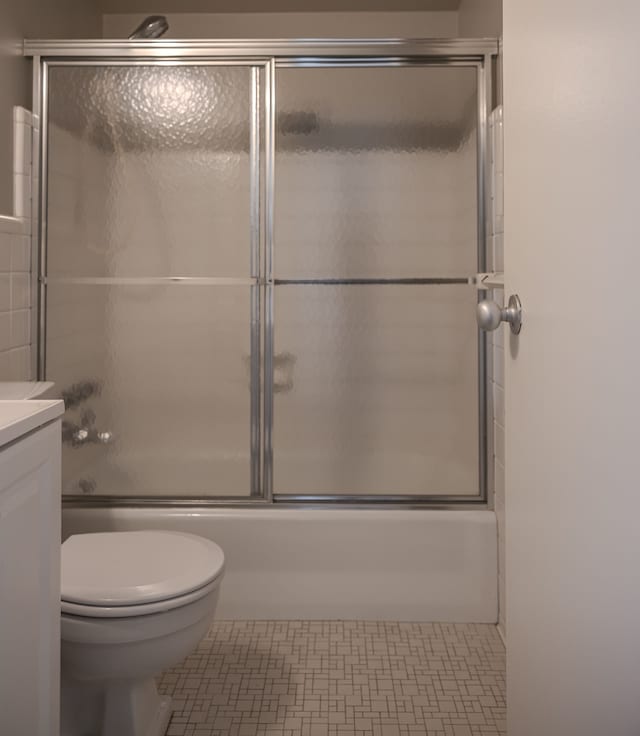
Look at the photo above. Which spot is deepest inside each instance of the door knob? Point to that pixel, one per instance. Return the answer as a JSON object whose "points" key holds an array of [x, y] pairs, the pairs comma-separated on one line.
{"points": [[489, 314]]}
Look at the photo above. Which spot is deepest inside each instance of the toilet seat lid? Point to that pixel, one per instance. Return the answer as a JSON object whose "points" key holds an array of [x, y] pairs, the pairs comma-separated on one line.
{"points": [[134, 568]]}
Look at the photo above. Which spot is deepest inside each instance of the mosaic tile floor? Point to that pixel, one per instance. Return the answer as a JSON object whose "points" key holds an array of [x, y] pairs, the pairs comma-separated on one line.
{"points": [[340, 678]]}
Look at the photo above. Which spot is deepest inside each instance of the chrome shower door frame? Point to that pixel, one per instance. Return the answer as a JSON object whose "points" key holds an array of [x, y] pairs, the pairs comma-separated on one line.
{"points": [[257, 228], [267, 55]]}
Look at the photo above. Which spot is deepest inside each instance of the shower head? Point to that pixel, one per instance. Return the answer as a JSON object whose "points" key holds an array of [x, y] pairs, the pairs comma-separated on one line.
{"points": [[153, 26]]}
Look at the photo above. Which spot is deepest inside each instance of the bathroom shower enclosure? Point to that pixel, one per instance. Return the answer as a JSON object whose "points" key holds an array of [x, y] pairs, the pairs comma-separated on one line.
{"points": [[257, 268]]}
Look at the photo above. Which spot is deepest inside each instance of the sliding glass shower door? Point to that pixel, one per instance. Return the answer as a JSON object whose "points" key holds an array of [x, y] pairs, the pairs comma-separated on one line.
{"points": [[376, 240], [152, 275], [257, 277]]}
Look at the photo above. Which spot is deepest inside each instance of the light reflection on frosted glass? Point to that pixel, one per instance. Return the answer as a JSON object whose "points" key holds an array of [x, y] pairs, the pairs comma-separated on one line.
{"points": [[149, 170]]}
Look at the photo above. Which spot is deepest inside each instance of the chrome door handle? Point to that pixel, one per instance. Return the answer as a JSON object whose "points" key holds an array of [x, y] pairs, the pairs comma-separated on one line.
{"points": [[489, 314]]}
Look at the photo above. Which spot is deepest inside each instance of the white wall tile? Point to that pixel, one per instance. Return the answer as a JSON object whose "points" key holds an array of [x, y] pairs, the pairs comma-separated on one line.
{"points": [[498, 251], [20, 291], [24, 116], [21, 254], [5, 365], [498, 402], [20, 364], [15, 261], [5, 292], [498, 369], [5, 253], [498, 150], [22, 149], [498, 198], [5, 331], [20, 328], [498, 432], [22, 196]]}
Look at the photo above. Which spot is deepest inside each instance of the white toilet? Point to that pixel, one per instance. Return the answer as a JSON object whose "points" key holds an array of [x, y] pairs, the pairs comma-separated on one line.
{"points": [[133, 604]]}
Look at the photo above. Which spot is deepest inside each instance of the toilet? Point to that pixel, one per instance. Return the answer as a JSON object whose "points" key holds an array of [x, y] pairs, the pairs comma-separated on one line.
{"points": [[133, 604]]}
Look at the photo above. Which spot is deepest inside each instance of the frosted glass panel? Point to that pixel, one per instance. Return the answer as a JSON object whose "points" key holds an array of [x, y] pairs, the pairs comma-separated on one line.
{"points": [[165, 370], [376, 172], [149, 171], [376, 390]]}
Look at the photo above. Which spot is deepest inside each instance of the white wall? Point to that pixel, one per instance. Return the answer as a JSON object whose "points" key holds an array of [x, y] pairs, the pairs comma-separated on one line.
{"points": [[293, 25], [280, 6], [572, 71]]}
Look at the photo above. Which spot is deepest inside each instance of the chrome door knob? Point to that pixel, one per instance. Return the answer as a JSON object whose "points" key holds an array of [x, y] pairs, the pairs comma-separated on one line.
{"points": [[489, 314]]}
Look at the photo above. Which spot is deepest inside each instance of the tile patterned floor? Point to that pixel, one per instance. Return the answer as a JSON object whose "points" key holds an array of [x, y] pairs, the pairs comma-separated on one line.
{"points": [[340, 678]]}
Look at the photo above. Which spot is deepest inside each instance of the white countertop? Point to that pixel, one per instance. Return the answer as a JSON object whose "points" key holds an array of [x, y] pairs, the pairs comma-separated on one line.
{"points": [[19, 417]]}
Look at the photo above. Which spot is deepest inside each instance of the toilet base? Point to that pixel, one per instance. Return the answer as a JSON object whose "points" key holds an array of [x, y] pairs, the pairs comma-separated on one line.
{"points": [[163, 716], [117, 708]]}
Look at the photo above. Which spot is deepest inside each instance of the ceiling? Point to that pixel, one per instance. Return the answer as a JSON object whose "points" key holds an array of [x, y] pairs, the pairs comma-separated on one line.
{"points": [[274, 6]]}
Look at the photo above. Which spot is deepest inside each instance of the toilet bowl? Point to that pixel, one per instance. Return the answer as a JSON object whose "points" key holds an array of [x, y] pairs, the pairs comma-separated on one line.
{"points": [[133, 605]]}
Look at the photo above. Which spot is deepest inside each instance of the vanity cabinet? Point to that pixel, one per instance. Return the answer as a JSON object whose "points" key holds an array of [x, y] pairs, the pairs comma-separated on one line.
{"points": [[30, 572]]}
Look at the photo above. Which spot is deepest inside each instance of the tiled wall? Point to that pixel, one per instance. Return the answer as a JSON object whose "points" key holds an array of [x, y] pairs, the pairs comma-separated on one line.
{"points": [[16, 362], [496, 347]]}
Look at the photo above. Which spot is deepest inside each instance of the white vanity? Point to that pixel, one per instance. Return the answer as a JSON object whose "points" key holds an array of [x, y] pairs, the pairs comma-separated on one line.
{"points": [[30, 567]]}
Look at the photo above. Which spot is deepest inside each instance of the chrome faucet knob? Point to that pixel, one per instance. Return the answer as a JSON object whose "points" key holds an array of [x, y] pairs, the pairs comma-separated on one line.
{"points": [[81, 435]]}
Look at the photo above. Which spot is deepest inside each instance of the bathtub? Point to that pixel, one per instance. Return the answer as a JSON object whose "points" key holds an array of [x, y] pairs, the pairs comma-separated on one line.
{"points": [[382, 564]]}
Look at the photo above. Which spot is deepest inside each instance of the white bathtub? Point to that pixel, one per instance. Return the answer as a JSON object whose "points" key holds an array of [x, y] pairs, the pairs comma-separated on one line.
{"points": [[404, 565]]}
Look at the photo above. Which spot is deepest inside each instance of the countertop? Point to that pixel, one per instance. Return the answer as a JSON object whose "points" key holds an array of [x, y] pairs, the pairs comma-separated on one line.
{"points": [[20, 417]]}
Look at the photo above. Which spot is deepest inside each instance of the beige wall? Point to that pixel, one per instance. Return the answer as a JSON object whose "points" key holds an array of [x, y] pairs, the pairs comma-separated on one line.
{"points": [[275, 6], [480, 18], [31, 19], [293, 25], [571, 253]]}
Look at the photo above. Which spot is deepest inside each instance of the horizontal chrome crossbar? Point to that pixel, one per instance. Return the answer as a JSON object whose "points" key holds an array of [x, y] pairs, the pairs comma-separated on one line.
{"points": [[374, 282], [150, 280], [233, 281]]}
